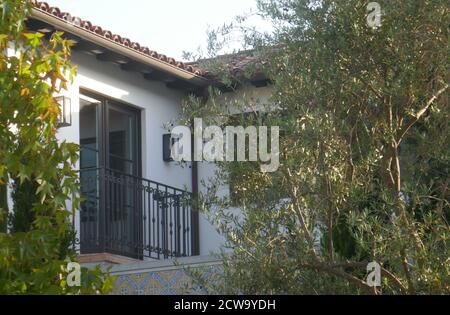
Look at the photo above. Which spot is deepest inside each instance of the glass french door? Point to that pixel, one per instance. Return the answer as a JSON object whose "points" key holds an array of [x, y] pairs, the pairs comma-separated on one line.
{"points": [[121, 139], [109, 168]]}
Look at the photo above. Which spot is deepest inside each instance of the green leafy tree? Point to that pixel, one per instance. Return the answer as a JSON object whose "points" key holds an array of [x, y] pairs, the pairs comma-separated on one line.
{"points": [[32, 71], [364, 152], [3, 208], [24, 197]]}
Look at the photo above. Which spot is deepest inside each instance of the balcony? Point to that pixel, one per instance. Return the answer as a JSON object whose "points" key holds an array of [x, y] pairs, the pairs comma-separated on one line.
{"points": [[135, 217]]}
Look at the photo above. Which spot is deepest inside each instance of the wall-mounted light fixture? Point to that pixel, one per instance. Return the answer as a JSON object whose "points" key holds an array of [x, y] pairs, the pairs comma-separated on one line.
{"points": [[65, 119], [168, 142]]}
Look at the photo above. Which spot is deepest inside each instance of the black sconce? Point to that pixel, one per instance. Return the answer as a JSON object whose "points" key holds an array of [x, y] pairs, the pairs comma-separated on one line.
{"points": [[168, 142], [65, 119]]}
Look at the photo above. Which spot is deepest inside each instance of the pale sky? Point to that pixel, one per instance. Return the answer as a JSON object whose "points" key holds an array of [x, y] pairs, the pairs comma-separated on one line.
{"points": [[167, 26]]}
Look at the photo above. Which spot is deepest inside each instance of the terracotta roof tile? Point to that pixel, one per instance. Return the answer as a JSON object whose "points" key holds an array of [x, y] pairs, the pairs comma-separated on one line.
{"points": [[236, 63], [87, 25]]}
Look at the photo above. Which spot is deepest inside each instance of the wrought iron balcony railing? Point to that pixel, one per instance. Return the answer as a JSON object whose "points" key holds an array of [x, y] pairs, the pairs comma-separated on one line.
{"points": [[134, 217]]}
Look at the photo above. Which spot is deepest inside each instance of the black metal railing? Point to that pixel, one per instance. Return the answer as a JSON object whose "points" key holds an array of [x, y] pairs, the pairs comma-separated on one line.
{"points": [[134, 217]]}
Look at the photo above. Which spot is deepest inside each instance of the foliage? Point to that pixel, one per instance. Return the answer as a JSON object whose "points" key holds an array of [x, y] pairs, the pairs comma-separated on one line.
{"points": [[3, 208], [32, 70], [24, 197], [364, 154]]}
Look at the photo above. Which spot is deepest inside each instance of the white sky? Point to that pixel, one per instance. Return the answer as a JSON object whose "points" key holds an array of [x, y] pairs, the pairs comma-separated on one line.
{"points": [[167, 26]]}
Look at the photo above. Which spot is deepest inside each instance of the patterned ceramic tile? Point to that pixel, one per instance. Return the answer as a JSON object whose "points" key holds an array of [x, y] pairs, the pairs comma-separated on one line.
{"points": [[170, 282]]}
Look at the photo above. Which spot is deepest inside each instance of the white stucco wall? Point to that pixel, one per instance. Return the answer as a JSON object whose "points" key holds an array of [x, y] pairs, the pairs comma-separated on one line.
{"points": [[158, 106], [208, 245], [246, 99]]}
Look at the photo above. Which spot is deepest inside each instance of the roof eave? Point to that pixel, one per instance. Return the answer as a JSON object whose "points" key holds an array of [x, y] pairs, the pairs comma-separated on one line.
{"points": [[118, 48]]}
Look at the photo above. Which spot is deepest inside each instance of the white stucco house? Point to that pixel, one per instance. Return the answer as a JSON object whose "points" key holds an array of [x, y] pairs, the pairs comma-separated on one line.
{"points": [[116, 110]]}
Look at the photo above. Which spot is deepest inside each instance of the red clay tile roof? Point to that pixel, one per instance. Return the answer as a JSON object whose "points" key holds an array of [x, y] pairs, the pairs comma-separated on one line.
{"points": [[87, 25], [236, 63]]}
